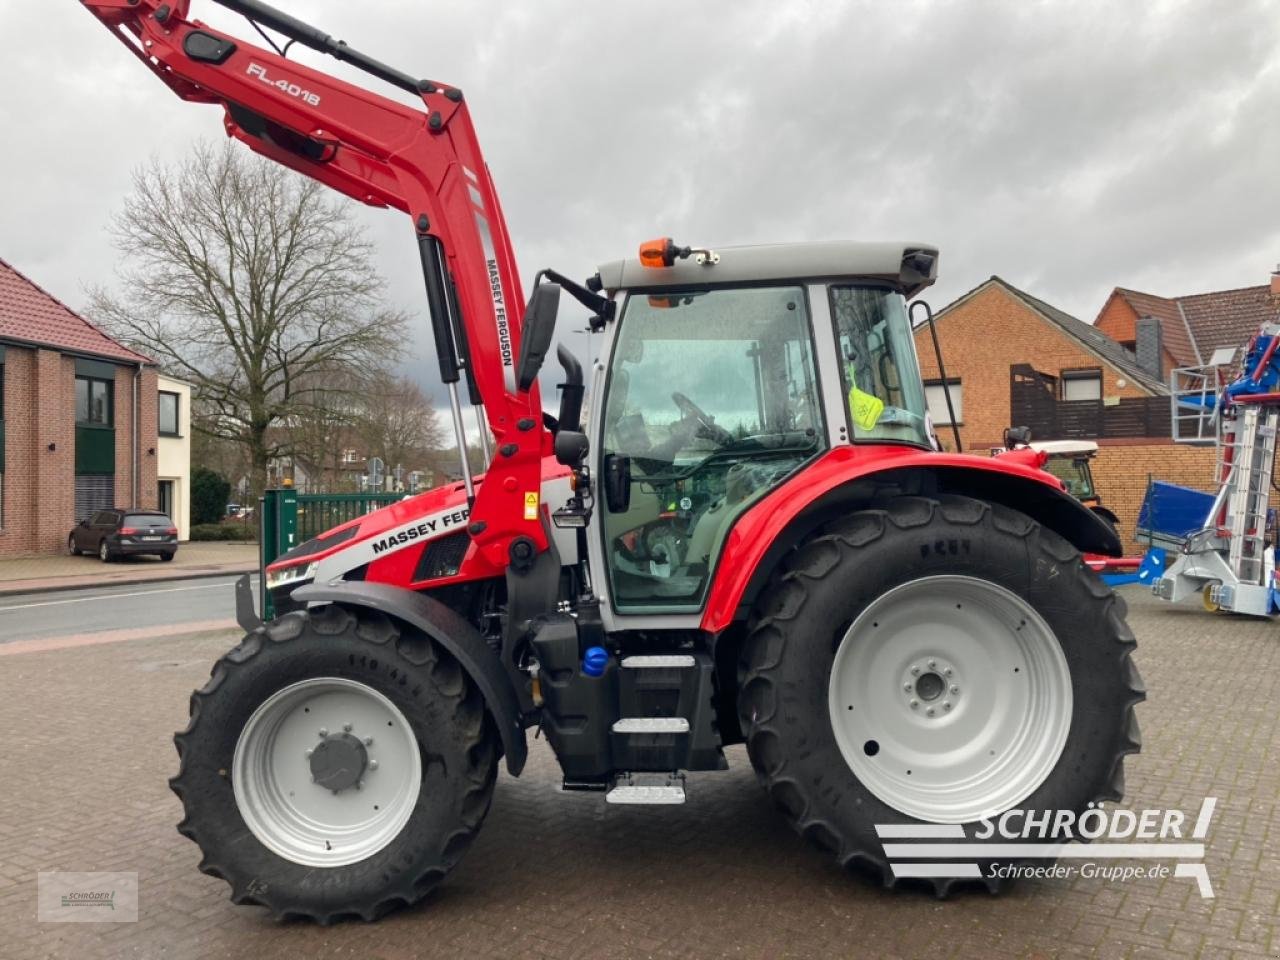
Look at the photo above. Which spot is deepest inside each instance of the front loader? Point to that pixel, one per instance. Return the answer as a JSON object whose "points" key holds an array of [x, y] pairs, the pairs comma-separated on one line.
{"points": [[753, 539]]}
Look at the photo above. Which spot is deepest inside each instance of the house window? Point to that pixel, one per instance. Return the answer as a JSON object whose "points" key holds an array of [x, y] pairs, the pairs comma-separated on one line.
{"points": [[168, 414], [348, 456], [94, 401], [936, 399], [1081, 384]]}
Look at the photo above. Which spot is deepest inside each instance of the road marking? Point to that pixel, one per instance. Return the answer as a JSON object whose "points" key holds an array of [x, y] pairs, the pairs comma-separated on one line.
{"points": [[44, 644], [115, 596]]}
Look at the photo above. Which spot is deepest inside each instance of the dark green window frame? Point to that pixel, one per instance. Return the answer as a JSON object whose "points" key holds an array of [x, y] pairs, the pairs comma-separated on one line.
{"points": [[177, 414]]}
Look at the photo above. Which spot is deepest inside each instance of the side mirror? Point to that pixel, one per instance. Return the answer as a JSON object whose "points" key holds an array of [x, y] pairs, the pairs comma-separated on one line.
{"points": [[535, 335], [617, 483], [84, 522], [1015, 437]]}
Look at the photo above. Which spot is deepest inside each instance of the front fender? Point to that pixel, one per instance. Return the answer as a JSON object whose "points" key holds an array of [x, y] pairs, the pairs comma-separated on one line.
{"points": [[446, 628], [857, 476]]}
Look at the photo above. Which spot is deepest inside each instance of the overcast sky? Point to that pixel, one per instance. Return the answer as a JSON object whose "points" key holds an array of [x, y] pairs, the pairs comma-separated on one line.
{"points": [[1068, 147]]}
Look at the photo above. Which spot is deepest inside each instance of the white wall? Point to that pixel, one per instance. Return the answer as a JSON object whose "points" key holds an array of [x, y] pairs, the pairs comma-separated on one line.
{"points": [[173, 455]]}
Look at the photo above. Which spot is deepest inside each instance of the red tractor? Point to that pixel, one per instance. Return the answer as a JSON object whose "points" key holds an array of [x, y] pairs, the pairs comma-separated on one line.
{"points": [[752, 541]]}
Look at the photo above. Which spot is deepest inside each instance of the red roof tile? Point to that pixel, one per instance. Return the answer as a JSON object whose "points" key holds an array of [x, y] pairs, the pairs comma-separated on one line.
{"points": [[29, 314]]}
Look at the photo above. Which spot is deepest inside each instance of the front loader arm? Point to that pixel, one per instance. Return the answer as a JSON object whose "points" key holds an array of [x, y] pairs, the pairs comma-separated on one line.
{"points": [[426, 163]]}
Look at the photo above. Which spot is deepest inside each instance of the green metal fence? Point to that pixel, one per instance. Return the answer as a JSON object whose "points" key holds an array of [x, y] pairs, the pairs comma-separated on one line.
{"points": [[287, 518], [318, 512]]}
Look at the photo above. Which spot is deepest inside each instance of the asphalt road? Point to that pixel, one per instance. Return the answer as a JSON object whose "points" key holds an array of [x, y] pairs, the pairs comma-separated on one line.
{"points": [[100, 609]]}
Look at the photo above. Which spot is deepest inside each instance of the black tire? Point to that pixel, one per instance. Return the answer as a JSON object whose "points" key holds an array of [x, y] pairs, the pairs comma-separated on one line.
{"points": [[455, 737], [104, 552], [801, 619], [167, 556], [72, 549]]}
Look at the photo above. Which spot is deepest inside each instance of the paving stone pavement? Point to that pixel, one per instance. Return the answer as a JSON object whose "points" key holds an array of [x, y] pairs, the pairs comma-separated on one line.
{"points": [[86, 751]]}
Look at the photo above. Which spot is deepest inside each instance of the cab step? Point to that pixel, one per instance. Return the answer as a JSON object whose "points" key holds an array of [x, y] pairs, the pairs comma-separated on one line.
{"points": [[651, 725], [630, 790], [666, 661]]}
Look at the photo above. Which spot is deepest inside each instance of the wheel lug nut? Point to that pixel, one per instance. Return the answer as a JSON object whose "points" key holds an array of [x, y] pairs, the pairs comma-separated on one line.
{"points": [[930, 711], [368, 741], [309, 753], [915, 671], [914, 704], [346, 728], [324, 732], [954, 688], [948, 671], [373, 764], [906, 686], [946, 705], [932, 664]]}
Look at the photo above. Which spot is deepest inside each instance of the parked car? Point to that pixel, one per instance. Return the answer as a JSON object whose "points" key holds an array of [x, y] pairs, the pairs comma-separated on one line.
{"points": [[112, 534]]}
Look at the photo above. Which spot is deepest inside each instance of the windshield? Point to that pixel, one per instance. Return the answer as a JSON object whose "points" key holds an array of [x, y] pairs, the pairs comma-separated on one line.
{"points": [[878, 365]]}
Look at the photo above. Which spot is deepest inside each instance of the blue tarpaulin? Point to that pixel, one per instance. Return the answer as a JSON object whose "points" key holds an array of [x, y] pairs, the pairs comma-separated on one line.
{"points": [[1172, 513]]}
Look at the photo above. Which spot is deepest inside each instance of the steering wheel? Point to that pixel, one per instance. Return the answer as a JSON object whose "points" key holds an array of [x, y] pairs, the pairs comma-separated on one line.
{"points": [[706, 426]]}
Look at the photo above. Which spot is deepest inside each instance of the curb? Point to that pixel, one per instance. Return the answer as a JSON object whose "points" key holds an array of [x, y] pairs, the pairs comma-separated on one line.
{"points": [[63, 584]]}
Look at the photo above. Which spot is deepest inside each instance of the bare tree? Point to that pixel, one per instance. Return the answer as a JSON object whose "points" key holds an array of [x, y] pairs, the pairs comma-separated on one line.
{"points": [[398, 423], [250, 281]]}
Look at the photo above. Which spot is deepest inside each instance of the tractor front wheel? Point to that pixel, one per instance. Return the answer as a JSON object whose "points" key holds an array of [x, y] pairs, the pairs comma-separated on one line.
{"points": [[936, 662], [334, 766]]}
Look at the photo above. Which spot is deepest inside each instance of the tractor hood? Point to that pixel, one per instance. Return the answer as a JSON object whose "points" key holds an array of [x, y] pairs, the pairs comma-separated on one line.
{"points": [[380, 545]]}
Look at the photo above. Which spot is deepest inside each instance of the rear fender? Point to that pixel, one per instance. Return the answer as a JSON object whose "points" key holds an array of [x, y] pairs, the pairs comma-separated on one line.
{"points": [[856, 477], [456, 635]]}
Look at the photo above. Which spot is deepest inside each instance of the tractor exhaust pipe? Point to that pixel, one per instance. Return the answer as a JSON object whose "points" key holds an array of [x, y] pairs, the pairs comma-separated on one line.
{"points": [[309, 36]]}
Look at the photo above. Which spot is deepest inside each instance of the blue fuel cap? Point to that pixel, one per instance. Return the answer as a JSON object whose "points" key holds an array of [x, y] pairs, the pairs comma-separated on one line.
{"points": [[594, 661]]}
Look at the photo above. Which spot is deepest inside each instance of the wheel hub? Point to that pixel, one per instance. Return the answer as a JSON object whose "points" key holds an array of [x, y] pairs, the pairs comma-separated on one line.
{"points": [[931, 685], [339, 762]]}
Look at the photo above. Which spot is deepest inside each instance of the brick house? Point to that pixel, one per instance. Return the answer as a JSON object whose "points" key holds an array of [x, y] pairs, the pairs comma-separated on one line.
{"points": [[1105, 381], [999, 343], [995, 327], [78, 420]]}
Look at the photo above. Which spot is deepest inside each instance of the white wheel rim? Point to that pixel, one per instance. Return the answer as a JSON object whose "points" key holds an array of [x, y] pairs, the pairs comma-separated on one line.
{"points": [[296, 818], [950, 699]]}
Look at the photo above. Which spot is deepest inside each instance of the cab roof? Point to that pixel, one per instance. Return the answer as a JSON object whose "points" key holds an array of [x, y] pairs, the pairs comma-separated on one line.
{"points": [[910, 267]]}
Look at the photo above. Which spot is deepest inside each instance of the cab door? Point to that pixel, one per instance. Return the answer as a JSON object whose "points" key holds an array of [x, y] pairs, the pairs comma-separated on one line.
{"points": [[711, 400]]}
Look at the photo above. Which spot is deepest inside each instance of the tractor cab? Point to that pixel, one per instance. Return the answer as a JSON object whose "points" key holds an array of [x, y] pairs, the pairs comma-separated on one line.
{"points": [[724, 373], [1069, 461]]}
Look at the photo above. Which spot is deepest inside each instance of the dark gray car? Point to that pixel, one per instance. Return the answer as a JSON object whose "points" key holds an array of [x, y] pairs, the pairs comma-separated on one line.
{"points": [[112, 534]]}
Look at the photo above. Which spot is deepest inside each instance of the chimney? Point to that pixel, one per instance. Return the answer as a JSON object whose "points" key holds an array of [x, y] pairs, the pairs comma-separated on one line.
{"points": [[1275, 281], [1149, 346]]}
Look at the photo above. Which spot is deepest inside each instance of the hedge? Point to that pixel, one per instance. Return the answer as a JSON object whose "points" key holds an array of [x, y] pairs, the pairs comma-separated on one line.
{"points": [[224, 531]]}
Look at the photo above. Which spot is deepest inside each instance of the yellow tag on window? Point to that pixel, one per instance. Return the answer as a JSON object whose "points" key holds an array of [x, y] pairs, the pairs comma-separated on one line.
{"points": [[531, 505], [865, 407]]}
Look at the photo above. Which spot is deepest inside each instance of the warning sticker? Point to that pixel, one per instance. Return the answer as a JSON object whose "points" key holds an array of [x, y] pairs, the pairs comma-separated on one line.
{"points": [[531, 505]]}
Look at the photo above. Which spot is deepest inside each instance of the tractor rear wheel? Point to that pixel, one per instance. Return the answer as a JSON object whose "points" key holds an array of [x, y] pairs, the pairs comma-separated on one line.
{"points": [[334, 766], [936, 662]]}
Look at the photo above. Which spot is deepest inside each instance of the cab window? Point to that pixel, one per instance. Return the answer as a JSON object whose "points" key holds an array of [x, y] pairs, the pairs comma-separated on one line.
{"points": [[878, 365]]}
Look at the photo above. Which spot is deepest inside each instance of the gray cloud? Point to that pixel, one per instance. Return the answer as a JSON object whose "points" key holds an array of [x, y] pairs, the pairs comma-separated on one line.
{"points": [[1069, 147]]}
